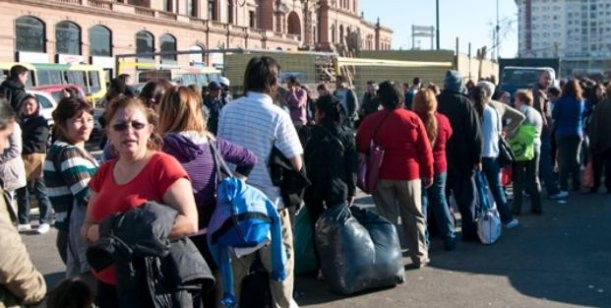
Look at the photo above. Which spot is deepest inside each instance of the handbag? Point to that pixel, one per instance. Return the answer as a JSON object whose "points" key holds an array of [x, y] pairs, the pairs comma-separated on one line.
{"points": [[370, 163], [487, 217]]}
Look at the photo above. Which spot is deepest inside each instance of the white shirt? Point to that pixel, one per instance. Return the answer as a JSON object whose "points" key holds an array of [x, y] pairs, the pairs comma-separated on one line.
{"points": [[253, 121], [491, 129]]}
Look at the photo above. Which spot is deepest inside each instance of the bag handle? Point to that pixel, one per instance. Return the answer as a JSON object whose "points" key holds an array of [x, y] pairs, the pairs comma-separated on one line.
{"points": [[222, 170]]}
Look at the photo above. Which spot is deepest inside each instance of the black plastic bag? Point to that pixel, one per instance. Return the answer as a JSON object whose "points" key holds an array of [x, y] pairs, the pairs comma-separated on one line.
{"points": [[359, 250]]}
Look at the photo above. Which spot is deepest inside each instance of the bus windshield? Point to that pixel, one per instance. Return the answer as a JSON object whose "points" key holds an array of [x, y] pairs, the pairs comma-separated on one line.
{"points": [[521, 77]]}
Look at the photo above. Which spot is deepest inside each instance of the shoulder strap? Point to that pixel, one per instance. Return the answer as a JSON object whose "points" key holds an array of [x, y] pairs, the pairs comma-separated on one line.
{"points": [[375, 131], [333, 136], [222, 170]]}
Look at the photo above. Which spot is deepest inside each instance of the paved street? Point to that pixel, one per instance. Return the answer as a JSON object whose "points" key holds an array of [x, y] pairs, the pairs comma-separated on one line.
{"points": [[560, 259]]}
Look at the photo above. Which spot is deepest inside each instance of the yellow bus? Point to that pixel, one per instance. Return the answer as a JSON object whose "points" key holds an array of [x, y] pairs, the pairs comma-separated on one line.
{"points": [[179, 75], [91, 78]]}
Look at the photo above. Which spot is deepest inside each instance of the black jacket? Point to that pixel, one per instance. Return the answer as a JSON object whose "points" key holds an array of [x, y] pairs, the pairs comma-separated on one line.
{"points": [[14, 92], [331, 157], [464, 148], [291, 183], [35, 134], [151, 271]]}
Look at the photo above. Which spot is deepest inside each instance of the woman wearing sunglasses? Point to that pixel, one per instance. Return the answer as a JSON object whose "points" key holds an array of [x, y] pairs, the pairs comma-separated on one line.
{"points": [[140, 173], [182, 122], [67, 170]]}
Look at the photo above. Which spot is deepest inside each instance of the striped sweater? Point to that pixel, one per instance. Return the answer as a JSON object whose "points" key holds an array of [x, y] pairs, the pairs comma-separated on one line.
{"points": [[69, 183]]}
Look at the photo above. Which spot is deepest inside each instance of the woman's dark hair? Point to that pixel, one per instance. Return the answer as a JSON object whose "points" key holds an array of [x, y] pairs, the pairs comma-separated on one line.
{"points": [[117, 87], [389, 95], [572, 89], [478, 94], [330, 106], [71, 293], [73, 91], [68, 108], [153, 91], [261, 74], [7, 114]]}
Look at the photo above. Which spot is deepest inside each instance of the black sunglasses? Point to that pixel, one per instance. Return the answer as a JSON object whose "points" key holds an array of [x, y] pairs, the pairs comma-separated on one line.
{"points": [[119, 127]]}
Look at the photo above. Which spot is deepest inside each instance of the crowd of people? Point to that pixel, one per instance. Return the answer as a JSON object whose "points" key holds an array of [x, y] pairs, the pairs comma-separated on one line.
{"points": [[161, 144]]}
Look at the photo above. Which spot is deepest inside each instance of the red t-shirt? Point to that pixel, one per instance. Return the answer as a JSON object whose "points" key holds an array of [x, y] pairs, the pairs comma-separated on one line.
{"points": [[407, 150], [150, 184], [444, 132]]}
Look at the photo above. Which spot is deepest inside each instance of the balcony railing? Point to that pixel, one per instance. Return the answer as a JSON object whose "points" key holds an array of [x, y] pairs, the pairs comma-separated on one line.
{"points": [[144, 11], [101, 4], [71, 1]]}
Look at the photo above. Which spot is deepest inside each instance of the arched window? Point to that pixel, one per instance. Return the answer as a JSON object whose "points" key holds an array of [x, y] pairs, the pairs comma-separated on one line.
{"points": [[294, 25], [168, 43], [145, 43], [196, 58], [30, 34], [341, 34], [67, 38], [100, 41]]}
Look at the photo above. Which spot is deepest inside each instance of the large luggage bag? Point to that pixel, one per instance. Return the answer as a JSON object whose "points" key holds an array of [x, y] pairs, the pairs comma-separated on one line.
{"points": [[359, 250]]}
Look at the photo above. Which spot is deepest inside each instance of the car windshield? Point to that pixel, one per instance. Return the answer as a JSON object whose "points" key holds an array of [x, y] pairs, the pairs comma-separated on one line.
{"points": [[521, 77]]}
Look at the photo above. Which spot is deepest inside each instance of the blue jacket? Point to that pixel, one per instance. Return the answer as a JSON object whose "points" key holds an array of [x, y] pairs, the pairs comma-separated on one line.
{"points": [[568, 114], [237, 201]]}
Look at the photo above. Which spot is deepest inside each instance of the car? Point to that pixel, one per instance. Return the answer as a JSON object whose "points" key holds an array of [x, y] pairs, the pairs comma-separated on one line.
{"points": [[47, 104]]}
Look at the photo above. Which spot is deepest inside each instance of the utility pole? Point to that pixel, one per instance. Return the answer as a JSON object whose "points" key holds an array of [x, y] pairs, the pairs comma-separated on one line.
{"points": [[497, 32], [437, 25]]}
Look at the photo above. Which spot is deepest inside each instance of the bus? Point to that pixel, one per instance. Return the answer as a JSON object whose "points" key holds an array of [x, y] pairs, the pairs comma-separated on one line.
{"points": [[179, 75], [91, 78]]}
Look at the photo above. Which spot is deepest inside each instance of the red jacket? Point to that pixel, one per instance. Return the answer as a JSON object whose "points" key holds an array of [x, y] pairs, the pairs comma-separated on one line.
{"points": [[408, 155], [444, 132]]}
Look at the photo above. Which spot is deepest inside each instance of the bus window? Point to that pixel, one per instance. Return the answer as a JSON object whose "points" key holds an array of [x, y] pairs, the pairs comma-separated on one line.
{"points": [[76, 77], [49, 77], [94, 82], [30, 81], [4, 75], [200, 79]]}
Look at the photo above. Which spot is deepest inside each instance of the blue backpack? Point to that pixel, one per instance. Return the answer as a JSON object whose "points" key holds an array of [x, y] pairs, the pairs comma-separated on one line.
{"points": [[244, 218]]}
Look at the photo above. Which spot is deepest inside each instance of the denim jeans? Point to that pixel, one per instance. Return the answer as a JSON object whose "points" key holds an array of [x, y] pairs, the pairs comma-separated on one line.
{"points": [[602, 161], [525, 176], [568, 160], [492, 171], [435, 196], [23, 201], [462, 187], [546, 167]]}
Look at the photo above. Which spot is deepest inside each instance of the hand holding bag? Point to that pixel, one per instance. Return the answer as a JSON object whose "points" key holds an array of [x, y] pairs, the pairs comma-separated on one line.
{"points": [[370, 163]]}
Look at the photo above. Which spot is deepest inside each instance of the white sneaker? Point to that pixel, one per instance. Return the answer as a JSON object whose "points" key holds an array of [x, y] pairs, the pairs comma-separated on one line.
{"points": [[43, 228], [24, 227], [512, 224], [560, 195]]}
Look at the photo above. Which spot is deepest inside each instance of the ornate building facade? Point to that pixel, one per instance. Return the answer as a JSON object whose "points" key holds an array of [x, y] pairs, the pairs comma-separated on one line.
{"points": [[94, 31]]}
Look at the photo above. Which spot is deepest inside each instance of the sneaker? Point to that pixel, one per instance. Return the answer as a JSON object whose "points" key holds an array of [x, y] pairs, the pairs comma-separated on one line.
{"points": [[43, 228], [512, 224], [24, 227], [562, 201], [560, 195]]}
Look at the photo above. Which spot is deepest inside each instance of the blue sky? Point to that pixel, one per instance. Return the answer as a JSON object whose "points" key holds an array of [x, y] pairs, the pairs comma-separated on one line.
{"points": [[471, 20]]}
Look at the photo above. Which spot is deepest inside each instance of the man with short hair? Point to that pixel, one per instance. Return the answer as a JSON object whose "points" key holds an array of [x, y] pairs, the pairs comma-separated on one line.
{"points": [[542, 104], [371, 103], [464, 149], [255, 122], [214, 104], [347, 99], [13, 89], [411, 93]]}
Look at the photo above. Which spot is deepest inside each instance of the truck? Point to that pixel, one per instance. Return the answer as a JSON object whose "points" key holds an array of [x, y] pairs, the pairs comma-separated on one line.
{"points": [[523, 73]]}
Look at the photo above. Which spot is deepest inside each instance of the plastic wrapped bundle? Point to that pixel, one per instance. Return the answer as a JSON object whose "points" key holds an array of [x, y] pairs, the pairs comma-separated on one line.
{"points": [[359, 250]]}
